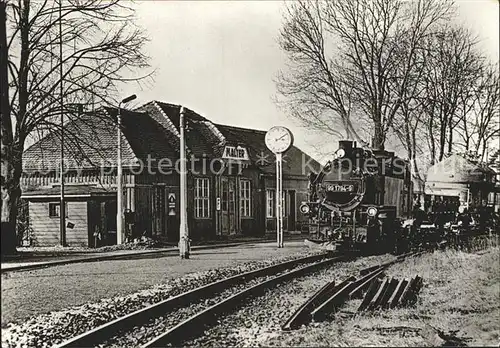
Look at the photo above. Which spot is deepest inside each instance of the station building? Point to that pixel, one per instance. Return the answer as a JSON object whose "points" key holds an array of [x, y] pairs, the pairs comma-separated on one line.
{"points": [[231, 179]]}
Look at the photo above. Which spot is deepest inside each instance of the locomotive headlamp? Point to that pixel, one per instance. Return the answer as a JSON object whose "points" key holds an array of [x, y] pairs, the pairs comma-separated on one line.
{"points": [[372, 211], [367, 153], [304, 208], [340, 153]]}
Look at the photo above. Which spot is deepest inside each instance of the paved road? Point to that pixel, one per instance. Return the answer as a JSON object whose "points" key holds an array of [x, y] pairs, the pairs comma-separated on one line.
{"points": [[28, 293]]}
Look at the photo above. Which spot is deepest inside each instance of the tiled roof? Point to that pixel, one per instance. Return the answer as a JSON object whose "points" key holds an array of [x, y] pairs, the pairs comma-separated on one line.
{"points": [[153, 130], [252, 139], [261, 156], [173, 113], [90, 141], [145, 135], [295, 162], [157, 113], [200, 140]]}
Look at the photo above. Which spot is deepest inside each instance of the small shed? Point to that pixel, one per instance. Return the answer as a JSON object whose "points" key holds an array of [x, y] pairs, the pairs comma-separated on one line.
{"points": [[459, 177], [88, 209]]}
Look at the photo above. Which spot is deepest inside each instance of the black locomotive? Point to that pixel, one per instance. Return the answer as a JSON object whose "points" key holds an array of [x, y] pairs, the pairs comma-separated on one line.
{"points": [[358, 201]]}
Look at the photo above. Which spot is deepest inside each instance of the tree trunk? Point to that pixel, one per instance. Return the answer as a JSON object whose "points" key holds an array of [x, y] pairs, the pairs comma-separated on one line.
{"points": [[11, 169], [442, 139], [11, 192], [432, 140], [378, 137], [483, 151], [450, 137]]}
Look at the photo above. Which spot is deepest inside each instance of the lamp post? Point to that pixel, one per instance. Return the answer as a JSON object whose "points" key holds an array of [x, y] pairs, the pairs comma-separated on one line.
{"points": [[119, 184], [183, 230]]}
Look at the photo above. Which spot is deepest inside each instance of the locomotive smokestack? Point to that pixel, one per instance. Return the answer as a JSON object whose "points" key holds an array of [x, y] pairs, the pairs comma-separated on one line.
{"points": [[347, 145]]}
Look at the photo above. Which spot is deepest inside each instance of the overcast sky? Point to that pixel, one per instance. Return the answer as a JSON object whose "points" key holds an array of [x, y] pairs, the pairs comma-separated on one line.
{"points": [[219, 58]]}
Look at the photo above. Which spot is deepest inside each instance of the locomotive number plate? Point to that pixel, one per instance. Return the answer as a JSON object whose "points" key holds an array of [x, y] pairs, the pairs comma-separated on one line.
{"points": [[340, 188]]}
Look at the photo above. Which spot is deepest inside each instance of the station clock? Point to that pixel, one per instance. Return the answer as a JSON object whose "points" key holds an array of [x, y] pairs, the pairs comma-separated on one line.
{"points": [[279, 139]]}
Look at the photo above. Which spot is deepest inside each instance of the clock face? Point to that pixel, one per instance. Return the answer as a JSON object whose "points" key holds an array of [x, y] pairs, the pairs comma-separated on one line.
{"points": [[279, 139]]}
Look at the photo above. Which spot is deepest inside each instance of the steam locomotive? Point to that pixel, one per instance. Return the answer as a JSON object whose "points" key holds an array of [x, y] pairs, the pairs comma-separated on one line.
{"points": [[358, 201]]}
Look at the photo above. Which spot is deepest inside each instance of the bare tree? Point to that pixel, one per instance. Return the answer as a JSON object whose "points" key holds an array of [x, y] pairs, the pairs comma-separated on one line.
{"points": [[494, 159], [347, 61], [101, 48], [439, 93], [480, 123], [316, 95], [453, 67], [409, 120]]}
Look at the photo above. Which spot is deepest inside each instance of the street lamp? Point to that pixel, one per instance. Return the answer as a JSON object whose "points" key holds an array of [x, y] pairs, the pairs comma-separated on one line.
{"points": [[119, 184], [183, 230]]}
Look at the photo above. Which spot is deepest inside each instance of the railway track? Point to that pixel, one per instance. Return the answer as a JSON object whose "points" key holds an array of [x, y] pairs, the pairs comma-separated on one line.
{"points": [[172, 321], [332, 295]]}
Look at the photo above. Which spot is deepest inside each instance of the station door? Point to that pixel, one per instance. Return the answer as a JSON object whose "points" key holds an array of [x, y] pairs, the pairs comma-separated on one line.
{"points": [[228, 205]]}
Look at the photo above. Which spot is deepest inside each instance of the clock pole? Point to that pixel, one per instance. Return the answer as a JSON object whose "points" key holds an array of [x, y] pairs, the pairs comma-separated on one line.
{"points": [[279, 199], [279, 140]]}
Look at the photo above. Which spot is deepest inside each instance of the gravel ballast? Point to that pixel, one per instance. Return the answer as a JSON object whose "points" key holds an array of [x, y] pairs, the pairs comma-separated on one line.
{"points": [[258, 322], [140, 335], [458, 305], [53, 328]]}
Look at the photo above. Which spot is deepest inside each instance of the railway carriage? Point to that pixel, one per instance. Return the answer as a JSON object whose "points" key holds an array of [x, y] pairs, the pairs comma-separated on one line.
{"points": [[458, 190], [359, 200]]}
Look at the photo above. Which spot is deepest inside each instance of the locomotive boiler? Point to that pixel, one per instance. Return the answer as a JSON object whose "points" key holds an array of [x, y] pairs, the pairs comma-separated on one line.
{"points": [[359, 200]]}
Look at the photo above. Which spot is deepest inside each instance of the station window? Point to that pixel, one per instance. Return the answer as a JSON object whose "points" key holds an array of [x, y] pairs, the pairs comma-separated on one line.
{"points": [[270, 203], [245, 200], [202, 198], [284, 203], [54, 209]]}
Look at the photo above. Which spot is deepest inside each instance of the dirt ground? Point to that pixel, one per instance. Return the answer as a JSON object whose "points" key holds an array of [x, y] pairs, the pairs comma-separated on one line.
{"points": [[28, 293], [459, 304]]}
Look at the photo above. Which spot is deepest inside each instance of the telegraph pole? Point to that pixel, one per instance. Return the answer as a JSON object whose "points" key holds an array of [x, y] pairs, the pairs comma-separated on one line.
{"points": [[62, 206], [183, 231], [119, 184]]}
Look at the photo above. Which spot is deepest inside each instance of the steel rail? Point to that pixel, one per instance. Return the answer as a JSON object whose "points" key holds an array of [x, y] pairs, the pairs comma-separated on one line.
{"points": [[315, 306], [335, 300], [197, 323], [302, 315], [331, 296], [107, 330]]}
